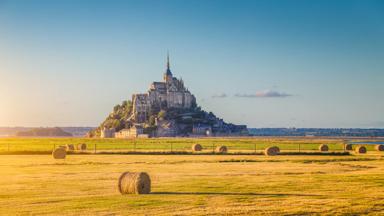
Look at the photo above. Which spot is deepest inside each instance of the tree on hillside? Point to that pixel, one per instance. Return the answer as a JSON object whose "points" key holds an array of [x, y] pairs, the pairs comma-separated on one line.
{"points": [[162, 114]]}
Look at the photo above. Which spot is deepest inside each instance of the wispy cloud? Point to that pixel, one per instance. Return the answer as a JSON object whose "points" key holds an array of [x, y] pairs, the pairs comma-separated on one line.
{"points": [[264, 94], [222, 95]]}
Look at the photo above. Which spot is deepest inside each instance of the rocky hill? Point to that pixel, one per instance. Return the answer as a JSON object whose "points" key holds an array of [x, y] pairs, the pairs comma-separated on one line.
{"points": [[168, 108], [184, 121]]}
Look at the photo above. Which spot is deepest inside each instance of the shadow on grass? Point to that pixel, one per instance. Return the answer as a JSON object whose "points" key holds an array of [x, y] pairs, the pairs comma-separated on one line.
{"points": [[235, 194]]}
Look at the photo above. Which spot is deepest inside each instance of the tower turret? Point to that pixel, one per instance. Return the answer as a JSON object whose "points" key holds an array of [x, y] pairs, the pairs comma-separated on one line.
{"points": [[168, 74]]}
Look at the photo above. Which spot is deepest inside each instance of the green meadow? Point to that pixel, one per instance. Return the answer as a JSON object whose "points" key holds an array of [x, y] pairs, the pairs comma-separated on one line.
{"points": [[36, 145]]}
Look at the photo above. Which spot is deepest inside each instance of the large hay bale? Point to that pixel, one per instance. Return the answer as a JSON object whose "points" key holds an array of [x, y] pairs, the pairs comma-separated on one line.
{"points": [[360, 149], [348, 147], [272, 151], [70, 147], [221, 149], [134, 183], [323, 148], [197, 147], [82, 147], [59, 153], [379, 147]]}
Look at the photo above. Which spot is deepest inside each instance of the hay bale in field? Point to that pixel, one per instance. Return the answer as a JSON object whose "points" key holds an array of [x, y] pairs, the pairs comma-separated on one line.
{"points": [[221, 149], [348, 147], [59, 153], [323, 148], [379, 147], [272, 151], [134, 183], [277, 149], [82, 147], [70, 147], [197, 147], [360, 149]]}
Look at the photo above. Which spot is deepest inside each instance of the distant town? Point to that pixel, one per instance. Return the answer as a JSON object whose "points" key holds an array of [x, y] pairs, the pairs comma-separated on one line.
{"points": [[322, 132]]}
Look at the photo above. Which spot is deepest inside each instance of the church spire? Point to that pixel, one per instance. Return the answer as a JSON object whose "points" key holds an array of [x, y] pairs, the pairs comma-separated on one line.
{"points": [[168, 71], [168, 74], [168, 67]]}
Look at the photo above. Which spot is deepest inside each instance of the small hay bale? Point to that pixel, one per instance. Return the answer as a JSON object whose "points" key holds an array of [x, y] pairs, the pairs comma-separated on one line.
{"points": [[271, 151], [379, 147], [70, 147], [323, 148], [348, 147], [277, 149], [59, 153], [82, 147], [197, 147], [361, 150], [221, 149], [134, 183]]}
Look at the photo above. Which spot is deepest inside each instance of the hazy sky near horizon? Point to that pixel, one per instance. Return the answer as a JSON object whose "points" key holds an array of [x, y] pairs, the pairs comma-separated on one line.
{"points": [[262, 63]]}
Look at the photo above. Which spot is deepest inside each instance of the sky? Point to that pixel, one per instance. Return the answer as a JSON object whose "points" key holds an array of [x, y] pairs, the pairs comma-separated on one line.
{"points": [[288, 63]]}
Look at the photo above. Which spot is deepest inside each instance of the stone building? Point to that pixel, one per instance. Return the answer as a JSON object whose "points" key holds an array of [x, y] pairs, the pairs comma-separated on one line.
{"points": [[141, 107], [133, 132], [171, 93], [202, 129], [107, 133], [166, 128]]}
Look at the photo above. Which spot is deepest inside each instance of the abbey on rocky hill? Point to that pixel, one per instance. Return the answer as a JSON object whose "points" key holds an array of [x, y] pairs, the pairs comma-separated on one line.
{"points": [[168, 109], [171, 93]]}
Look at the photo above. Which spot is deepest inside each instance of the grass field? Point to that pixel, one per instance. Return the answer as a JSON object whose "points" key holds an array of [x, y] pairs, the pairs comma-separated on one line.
{"points": [[37, 145], [192, 184]]}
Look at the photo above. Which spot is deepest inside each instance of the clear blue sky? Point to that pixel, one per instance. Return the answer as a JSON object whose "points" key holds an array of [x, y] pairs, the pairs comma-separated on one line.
{"points": [[261, 63]]}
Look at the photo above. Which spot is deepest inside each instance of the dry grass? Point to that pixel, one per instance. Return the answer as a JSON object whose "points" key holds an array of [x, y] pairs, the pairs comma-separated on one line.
{"points": [[194, 185]]}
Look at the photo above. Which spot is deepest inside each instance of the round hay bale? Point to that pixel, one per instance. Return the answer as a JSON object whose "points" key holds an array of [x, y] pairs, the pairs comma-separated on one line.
{"points": [[361, 150], [134, 183], [197, 147], [82, 147], [271, 151], [277, 149], [348, 147], [379, 147], [59, 153], [221, 149], [70, 147], [323, 148]]}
